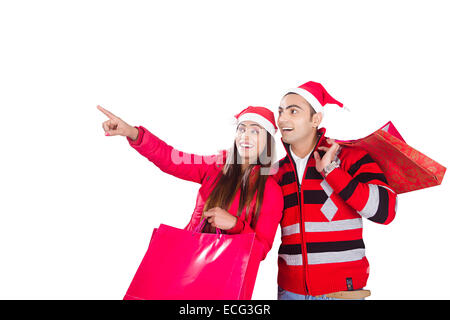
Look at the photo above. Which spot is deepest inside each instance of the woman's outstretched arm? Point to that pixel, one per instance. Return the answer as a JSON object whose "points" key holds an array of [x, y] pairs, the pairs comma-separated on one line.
{"points": [[180, 164]]}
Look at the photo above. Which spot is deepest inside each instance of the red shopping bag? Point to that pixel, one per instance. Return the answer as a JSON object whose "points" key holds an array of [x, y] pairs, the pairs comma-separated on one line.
{"points": [[188, 265], [405, 168]]}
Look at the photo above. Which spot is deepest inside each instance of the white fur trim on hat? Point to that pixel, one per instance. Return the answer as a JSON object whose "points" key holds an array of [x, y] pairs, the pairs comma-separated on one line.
{"points": [[309, 97], [259, 119]]}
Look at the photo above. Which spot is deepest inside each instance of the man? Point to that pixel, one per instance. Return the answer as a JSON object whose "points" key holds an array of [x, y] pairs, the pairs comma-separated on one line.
{"points": [[327, 191]]}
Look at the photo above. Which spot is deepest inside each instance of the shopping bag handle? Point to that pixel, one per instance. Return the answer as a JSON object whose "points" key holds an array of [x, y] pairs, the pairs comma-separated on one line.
{"points": [[201, 225]]}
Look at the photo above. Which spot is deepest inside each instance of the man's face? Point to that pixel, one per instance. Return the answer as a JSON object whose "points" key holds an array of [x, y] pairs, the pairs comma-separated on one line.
{"points": [[294, 119]]}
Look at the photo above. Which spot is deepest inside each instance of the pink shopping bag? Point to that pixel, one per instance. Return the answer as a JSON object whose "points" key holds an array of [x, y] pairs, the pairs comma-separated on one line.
{"points": [[188, 265]]}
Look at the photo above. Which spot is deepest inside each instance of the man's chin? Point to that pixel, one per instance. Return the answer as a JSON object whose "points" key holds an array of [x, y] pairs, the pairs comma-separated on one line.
{"points": [[286, 139]]}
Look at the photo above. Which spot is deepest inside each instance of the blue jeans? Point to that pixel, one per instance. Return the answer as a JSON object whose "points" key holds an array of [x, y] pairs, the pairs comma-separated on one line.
{"points": [[287, 295]]}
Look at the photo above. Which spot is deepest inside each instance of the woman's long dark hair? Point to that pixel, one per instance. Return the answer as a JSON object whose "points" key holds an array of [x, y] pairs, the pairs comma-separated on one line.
{"points": [[231, 179]]}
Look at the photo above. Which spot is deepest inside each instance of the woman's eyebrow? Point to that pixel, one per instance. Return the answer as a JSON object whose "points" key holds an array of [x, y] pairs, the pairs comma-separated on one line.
{"points": [[253, 124]]}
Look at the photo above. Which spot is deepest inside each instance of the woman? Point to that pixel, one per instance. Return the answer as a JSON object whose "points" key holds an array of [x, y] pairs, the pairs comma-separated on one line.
{"points": [[238, 196]]}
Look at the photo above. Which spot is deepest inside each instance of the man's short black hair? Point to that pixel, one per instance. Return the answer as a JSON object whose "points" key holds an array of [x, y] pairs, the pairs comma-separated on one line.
{"points": [[311, 109]]}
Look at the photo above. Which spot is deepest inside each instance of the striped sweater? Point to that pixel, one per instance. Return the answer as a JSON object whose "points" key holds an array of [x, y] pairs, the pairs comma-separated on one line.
{"points": [[322, 249]]}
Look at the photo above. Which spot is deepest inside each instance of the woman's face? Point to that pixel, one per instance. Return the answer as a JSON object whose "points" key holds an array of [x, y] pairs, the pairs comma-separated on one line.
{"points": [[250, 140]]}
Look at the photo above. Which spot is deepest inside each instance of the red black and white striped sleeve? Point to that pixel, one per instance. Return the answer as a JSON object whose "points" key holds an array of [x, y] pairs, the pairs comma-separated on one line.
{"points": [[362, 185]]}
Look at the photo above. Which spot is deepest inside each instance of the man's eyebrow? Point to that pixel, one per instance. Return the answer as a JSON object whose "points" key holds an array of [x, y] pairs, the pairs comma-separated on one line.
{"points": [[291, 106]]}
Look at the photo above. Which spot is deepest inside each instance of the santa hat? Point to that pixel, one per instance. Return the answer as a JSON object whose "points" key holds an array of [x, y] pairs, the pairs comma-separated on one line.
{"points": [[262, 116], [316, 95]]}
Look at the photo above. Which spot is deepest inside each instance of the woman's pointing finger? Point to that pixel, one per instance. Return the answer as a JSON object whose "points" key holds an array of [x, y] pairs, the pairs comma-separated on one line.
{"points": [[106, 112]]}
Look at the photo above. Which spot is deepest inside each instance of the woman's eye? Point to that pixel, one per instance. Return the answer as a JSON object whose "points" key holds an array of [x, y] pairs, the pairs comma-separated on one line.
{"points": [[293, 111], [255, 131]]}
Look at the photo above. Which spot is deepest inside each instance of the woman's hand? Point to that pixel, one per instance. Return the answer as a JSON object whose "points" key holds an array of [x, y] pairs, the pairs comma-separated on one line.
{"points": [[117, 127], [220, 218]]}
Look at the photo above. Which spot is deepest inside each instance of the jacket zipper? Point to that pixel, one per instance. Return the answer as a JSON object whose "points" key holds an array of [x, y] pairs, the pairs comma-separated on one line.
{"points": [[300, 205]]}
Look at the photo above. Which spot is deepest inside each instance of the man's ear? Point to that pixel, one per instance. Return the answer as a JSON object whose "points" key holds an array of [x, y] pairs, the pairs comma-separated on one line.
{"points": [[317, 119]]}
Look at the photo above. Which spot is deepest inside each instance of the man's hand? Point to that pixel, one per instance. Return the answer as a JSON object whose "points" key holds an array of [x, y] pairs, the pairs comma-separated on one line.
{"points": [[328, 157], [220, 218], [117, 127]]}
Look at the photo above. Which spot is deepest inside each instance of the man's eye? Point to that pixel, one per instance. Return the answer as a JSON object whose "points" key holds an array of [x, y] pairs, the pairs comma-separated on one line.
{"points": [[293, 111], [255, 131]]}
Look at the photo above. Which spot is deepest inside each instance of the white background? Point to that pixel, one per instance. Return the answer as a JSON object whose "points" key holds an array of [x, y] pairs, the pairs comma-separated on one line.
{"points": [[77, 208]]}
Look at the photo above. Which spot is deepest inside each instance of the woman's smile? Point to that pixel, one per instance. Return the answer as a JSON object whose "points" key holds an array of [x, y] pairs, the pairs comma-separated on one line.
{"points": [[246, 145]]}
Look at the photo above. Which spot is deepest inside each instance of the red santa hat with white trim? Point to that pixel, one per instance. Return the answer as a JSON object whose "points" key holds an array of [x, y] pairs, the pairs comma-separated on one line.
{"points": [[316, 95], [261, 115]]}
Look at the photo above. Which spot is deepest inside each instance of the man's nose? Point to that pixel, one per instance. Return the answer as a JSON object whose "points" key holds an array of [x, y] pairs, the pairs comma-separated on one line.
{"points": [[281, 119]]}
